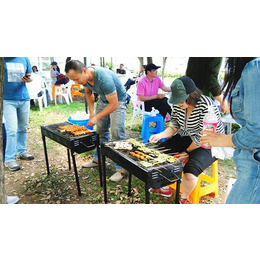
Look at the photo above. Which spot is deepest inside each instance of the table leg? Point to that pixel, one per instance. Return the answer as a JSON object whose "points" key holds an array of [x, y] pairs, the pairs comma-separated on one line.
{"points": [[99, 166], [129, 184], [177, 195], [68, 152], [45, 153], [147, 193], [76, 172], [104, 176]]}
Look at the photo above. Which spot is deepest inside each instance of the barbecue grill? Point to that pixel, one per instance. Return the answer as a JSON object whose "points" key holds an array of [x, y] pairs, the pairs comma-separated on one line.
{"points": [[154, 177], [75, 144]]}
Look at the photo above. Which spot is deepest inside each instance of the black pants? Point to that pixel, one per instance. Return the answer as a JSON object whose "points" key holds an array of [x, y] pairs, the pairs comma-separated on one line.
{"points": [[159, 104], [199, 159]]}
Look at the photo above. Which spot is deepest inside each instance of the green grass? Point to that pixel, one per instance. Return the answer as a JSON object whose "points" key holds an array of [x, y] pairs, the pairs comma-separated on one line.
{"points": [[61, 182]]}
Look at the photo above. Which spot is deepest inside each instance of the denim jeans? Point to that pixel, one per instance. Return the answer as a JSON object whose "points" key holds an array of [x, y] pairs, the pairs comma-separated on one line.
{"points": [[115, 121], [4, 141], [16, 115], [246, 189]]}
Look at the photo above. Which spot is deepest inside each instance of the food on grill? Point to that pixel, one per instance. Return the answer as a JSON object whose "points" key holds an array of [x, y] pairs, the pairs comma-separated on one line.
{"points": [[123, 146], [83, 132], [135, 154], [135, 143], [146, 157], [74, 129], [146, 164]]}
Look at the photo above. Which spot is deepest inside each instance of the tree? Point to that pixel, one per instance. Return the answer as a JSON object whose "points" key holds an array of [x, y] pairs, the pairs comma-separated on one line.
{"points": [[2, 179], [141, 59], [163, 68], [149, 60]]}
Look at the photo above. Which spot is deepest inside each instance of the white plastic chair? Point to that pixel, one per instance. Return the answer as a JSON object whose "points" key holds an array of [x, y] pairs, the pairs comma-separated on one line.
{"points": [[229, 121], [64, 91], [36, 86], [48, 86], [138, 109]]}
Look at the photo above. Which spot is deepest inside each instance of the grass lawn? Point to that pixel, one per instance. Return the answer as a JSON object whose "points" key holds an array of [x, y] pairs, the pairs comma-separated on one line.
{"points": [[33, 185]]}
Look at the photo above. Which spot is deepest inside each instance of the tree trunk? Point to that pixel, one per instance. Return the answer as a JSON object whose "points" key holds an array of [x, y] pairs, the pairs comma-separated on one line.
{"points": [[149, 60], [163, 68], [112, 65], [2, 175], [141, 59]]}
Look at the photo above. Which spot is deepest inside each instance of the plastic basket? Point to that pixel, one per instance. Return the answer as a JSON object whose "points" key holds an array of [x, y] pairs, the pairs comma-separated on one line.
{"points": [[80, 122]]}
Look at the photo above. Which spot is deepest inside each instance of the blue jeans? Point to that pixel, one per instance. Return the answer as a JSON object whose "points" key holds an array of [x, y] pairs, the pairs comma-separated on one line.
{"points": [[4, 141], [246, 189], [115, 121], [16, 115]]}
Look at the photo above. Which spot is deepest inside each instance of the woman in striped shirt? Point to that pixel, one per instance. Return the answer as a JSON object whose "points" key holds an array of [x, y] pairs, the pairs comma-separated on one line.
{"points": [[189, 110]]}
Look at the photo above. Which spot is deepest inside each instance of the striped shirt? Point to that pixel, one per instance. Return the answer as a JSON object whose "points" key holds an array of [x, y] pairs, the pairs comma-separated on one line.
{"points": [[194, 124]]}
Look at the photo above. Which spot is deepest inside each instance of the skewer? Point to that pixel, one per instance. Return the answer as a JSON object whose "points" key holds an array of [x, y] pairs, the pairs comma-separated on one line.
{"points": [[173, 153], [165, 150], [159, 148]]}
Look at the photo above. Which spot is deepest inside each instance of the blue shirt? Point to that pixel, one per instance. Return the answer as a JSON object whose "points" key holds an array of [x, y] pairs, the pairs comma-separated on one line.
{"points": [[246, 107], [15, 68], [106, 82]]}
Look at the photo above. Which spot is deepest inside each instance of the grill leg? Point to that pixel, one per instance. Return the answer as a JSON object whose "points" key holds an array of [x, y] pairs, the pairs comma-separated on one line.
{"points": [[177, 195], [99, 166], [68, 152], [129, 184], [104, 176], [76, 172], [46, 155], [147, 193]]}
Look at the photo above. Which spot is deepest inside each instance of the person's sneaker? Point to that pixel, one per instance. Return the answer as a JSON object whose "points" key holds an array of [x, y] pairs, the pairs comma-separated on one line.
{"points": [[118, 176], [25, 156], [90, 164], [163, 192], [12, 199], [184, 201], [12, 166]]}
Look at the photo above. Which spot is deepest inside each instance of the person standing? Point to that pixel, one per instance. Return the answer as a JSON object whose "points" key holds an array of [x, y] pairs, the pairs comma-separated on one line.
{"points": [[204, 72], [111, 106], [242, 87], [16, 106], [147, 91]]}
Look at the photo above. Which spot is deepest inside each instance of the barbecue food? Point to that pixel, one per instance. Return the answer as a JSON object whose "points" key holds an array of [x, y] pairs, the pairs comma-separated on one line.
{"points": [[123, 146], [135, 143], [74, 129], [146, 157]]}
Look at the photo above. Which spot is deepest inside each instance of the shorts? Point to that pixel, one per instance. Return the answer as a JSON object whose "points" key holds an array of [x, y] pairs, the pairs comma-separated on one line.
{"points": [[199, 159]]}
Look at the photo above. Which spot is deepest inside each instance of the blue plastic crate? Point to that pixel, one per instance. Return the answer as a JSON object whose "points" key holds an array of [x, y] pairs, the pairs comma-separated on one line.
{"points": [[81, 123]]}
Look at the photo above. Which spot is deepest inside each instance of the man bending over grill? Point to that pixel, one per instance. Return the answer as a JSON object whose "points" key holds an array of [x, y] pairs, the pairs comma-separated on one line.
{"points": [[110, 109]]}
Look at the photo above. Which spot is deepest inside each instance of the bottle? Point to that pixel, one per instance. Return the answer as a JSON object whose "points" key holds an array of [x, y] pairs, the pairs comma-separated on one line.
{"points": [[210, 123], [154, 112]]}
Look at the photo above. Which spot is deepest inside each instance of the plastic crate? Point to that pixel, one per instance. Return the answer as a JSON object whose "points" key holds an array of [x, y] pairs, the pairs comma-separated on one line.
{"points": [[81, 123]]}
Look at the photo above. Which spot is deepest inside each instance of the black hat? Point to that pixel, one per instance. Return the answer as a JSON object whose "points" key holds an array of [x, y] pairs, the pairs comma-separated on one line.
{"points": [[181, 89], [151, 66]]}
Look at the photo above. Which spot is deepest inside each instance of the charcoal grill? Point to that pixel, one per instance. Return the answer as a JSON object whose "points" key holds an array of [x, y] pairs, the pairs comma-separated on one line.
{"points": [[74, 144], [155, 177]]}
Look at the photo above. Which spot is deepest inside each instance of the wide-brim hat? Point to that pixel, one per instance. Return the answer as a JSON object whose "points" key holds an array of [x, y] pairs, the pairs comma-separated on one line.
{"points": [[181, 88]]}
